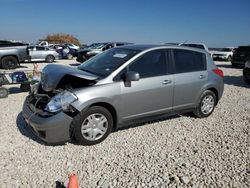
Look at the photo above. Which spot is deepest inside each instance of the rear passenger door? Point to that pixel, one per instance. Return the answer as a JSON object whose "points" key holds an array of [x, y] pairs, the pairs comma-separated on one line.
{"points": [[190, 70]]}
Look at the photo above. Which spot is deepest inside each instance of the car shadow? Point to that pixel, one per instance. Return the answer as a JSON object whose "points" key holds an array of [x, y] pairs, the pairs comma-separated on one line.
{"points": [[26, 130], [235, 81], [75, 64], [15, 90]]}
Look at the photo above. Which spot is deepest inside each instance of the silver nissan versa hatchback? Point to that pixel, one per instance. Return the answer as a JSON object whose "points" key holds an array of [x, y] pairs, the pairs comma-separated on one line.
{"points": [[121, 86]]}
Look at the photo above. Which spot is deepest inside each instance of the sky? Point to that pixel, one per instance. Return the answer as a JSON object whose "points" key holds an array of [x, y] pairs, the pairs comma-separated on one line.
{"points": [[217, 23]]}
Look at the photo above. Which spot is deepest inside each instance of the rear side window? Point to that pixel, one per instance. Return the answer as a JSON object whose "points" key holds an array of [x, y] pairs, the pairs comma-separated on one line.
{"points": [[189, 61], [39, 48], [150, 64]]}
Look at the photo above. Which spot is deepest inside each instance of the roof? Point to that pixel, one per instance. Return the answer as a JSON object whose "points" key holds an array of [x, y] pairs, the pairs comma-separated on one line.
{"points": [[142, 47]]}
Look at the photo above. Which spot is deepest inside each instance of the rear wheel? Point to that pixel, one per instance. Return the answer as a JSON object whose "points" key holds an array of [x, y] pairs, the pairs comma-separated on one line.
{"points": [[234, 65], [4, 92], [50, 58], [92, 126], [206, 104], [246, 80], [9, 62], [70, 56], [245, 76]]}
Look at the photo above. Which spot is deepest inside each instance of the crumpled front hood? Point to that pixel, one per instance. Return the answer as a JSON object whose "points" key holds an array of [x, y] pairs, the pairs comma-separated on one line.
{"points": [[52, 74]]}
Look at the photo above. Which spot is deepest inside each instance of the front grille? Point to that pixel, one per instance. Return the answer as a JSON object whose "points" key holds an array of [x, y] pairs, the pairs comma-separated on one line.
{"points": [[37, 103]]}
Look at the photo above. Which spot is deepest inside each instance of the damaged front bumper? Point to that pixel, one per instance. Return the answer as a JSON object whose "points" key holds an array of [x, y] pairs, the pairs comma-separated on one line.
{"points": [[51, 128]]}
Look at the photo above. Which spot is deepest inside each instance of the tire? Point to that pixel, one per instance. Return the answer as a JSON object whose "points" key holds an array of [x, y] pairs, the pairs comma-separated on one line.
{"points": [[69, 56], [9, 62], [83, 58], [50, 58], [85, 128], [4, 92], [206, 104], [229, 58], [245, 78], [234, 65]]}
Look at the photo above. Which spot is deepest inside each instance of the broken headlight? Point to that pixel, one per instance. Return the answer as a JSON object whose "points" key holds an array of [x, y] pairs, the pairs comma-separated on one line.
{"points": [[61, 101]]}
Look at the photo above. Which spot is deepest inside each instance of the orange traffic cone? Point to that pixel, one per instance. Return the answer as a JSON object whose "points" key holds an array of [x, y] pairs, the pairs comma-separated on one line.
{"points": [[73, 181]]}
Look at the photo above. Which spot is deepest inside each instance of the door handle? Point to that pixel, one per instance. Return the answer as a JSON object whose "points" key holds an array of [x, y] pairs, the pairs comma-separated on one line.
{"points": [[165, 82], [202, 76]]}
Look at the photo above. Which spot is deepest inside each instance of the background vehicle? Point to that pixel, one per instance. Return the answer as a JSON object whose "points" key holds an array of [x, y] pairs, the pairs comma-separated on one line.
{"points": [[246, 72], [121, 86], [24, 78], [96, 48], [41, 53], [72, 46], [12, 54], [64, 51], [222, 54], [240, 56]]}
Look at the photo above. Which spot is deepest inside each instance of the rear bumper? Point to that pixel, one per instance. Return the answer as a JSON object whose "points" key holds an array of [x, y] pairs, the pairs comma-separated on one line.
{"points": [[51, 129]]}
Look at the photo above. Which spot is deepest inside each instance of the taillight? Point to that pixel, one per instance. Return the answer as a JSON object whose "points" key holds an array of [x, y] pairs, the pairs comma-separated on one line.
{"points": [[219, 72]]}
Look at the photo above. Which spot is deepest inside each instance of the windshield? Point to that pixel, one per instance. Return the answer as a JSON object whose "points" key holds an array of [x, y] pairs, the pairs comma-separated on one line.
{"points": [[107, 62], [96, 46]]}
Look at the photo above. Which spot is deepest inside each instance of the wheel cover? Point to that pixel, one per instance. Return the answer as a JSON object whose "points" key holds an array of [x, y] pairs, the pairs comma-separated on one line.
{"points": [[207, 104], [3, 92], [50, 59], [11, 64], [94, 127]]}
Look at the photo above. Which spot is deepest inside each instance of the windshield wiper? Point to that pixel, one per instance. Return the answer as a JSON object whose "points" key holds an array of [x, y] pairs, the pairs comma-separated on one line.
{"points": [[88, 71]]}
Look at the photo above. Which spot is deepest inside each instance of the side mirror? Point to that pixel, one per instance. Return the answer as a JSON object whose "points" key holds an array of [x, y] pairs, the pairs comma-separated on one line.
{"points": [[132, 76]]}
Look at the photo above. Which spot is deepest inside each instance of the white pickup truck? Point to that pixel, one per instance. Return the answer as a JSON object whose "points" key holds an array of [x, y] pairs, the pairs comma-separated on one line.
{"points": [[12, 54]]}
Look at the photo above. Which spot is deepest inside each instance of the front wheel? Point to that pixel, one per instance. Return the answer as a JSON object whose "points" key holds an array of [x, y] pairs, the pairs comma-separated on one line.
{"points": [[206, 104], [70, 56], [92, 126], [9, 62], [50, 58], [229, 58]]}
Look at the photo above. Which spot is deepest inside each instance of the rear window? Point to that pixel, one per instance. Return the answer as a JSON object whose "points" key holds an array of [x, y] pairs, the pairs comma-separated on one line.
{"points": [[189, 61], [243, 49]]}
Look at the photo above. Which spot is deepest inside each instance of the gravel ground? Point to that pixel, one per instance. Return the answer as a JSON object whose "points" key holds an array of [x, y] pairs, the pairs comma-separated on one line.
{"points": [[181, 151]]}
